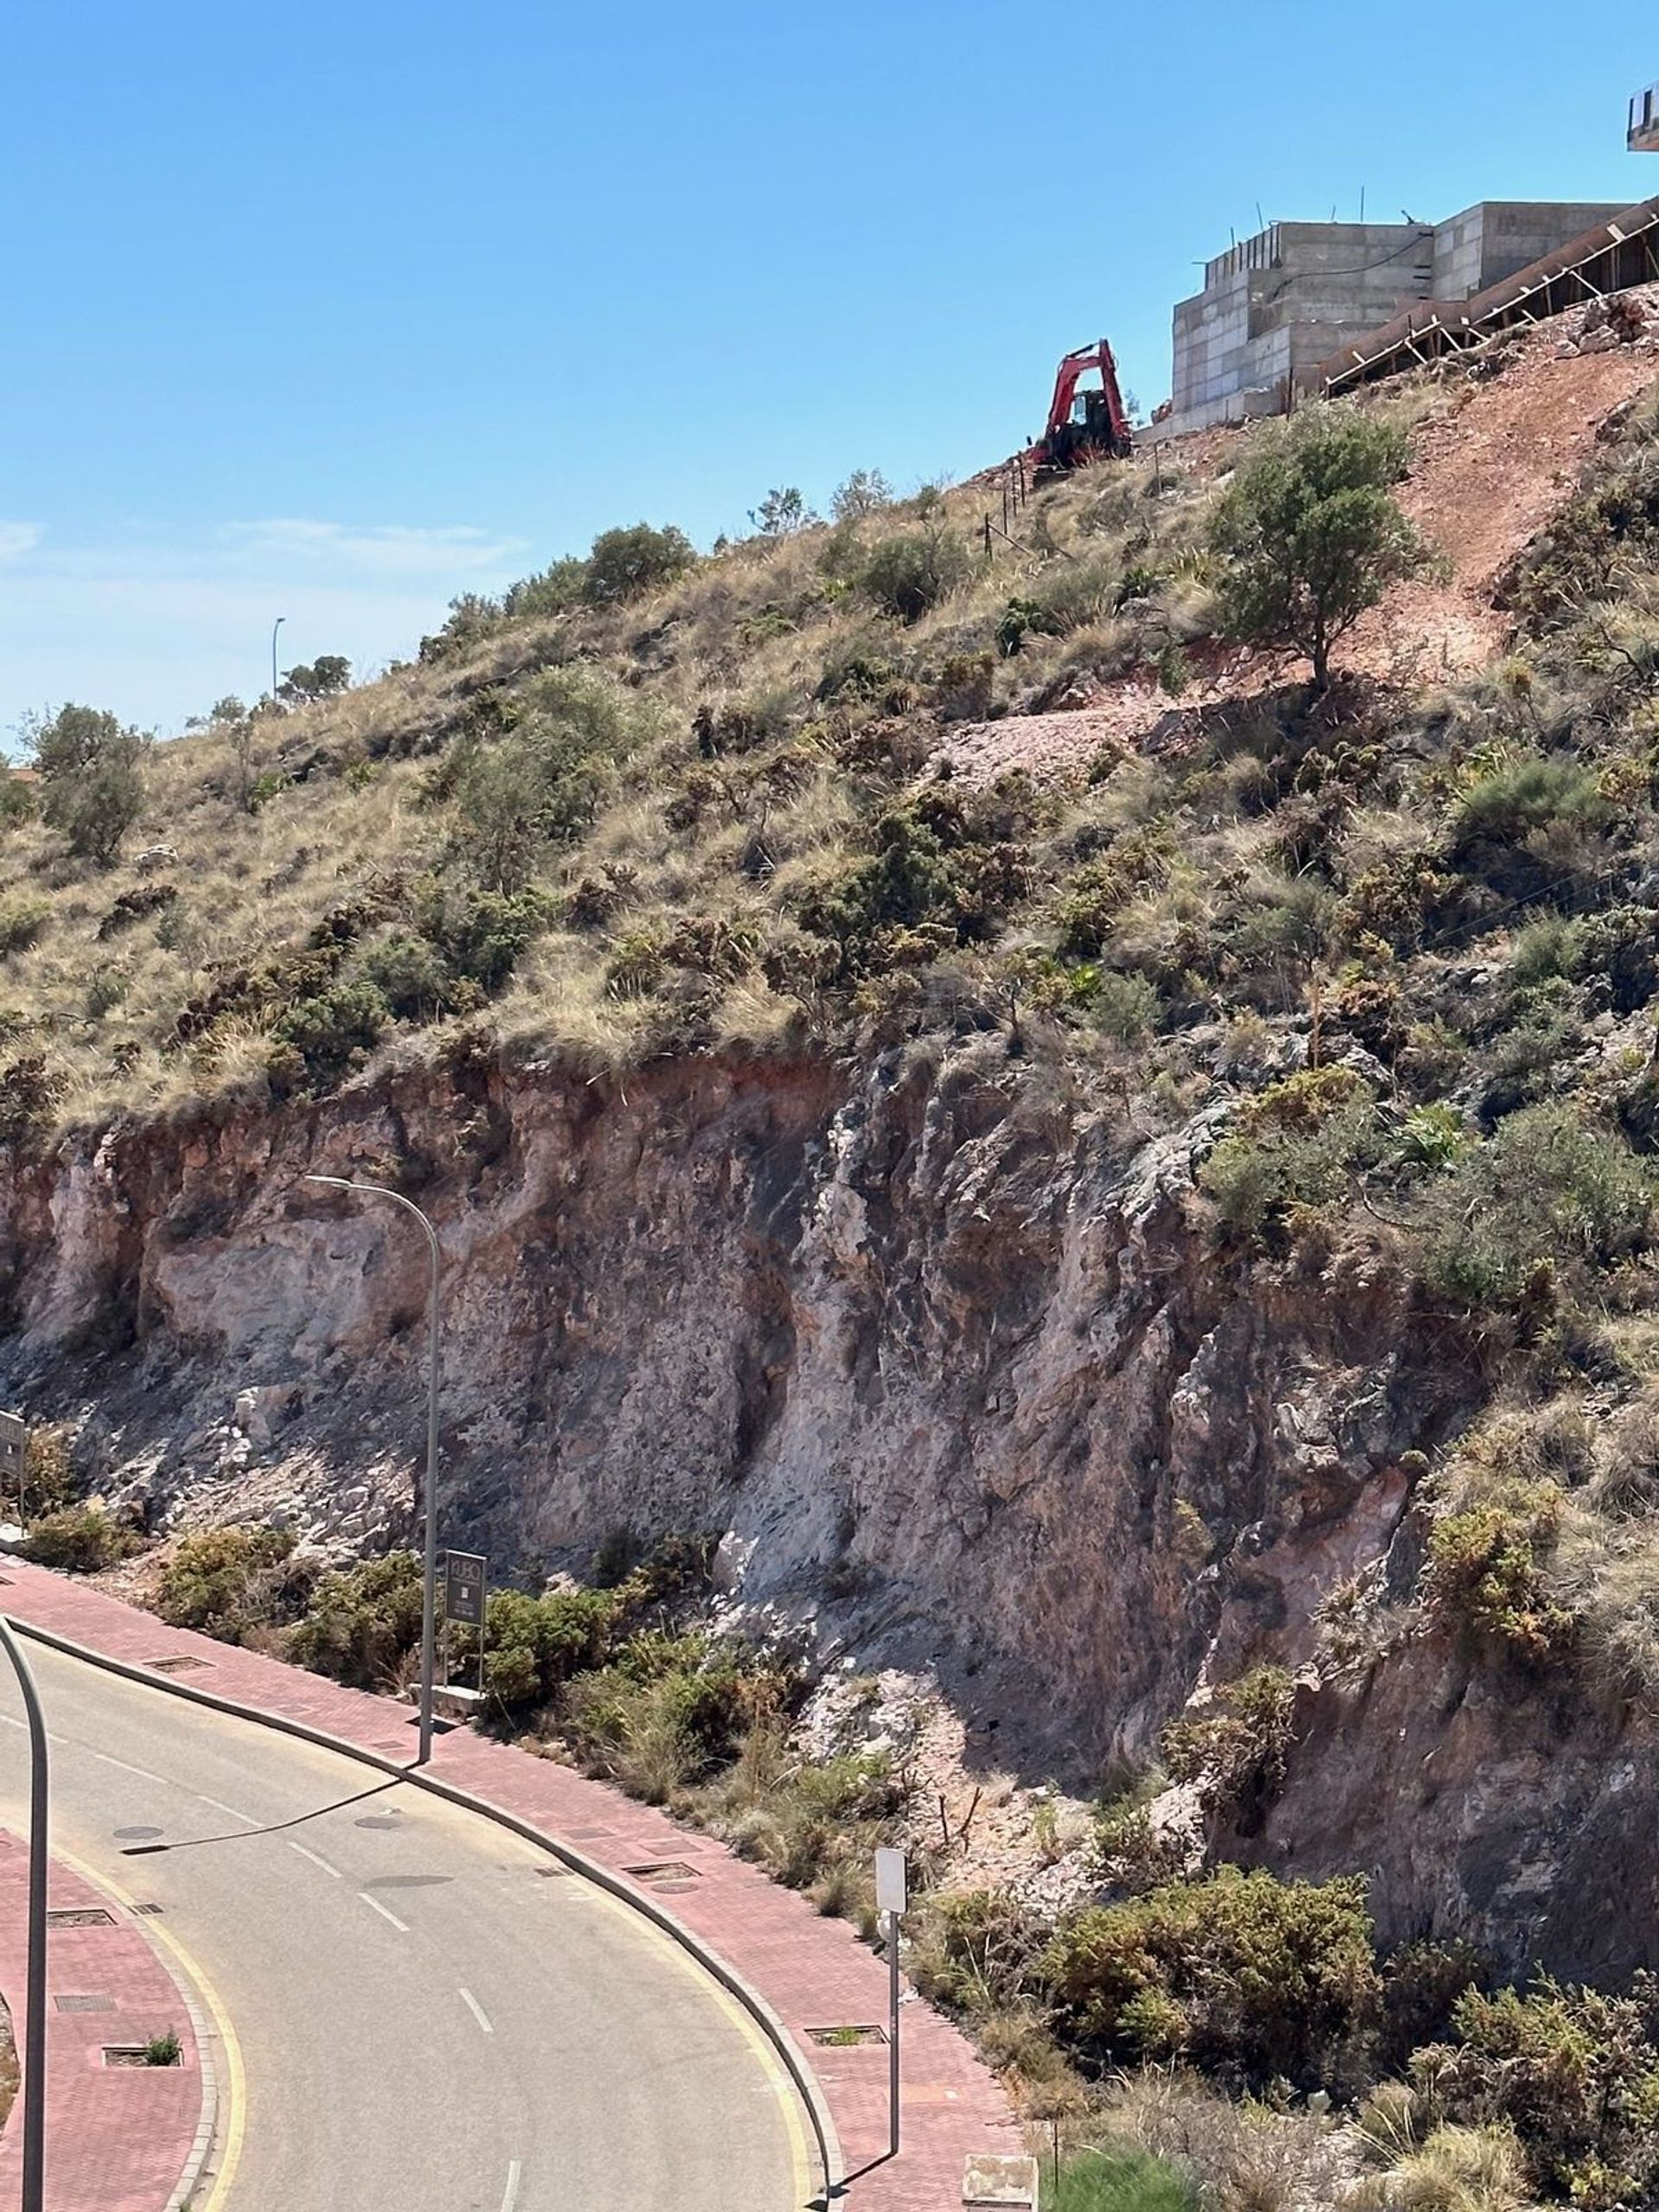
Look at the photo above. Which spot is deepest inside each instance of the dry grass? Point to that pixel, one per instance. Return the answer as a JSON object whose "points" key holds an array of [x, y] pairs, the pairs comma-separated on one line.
{"points": [[341, 785]]}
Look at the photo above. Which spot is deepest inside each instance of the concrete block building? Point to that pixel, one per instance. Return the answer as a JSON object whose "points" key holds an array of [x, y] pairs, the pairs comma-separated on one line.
{"points": [[1275, 305]]}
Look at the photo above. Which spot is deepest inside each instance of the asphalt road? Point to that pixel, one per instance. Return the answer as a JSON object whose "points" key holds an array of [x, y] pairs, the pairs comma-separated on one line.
{"points": [[426, 2018]]}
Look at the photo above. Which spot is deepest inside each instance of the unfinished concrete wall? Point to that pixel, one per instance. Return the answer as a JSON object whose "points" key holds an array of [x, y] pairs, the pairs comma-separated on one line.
{"points": [[1491, 241], [1275, 305], [1283, 299]]}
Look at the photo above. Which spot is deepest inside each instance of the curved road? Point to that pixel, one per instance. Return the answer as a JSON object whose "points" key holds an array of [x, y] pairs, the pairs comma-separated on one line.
{"points": [[427, 2017]]}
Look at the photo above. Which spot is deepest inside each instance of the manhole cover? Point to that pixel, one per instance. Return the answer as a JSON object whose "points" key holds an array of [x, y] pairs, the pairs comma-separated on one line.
{"points": [[657, 1873], [134, 1836], [176, 1663], [85, 2004], [80, 1916], [845, 2038]]}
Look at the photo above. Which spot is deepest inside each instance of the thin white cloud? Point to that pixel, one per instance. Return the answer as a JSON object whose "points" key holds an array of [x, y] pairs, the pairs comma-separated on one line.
{"points": [[157, 627], [379, 549]]}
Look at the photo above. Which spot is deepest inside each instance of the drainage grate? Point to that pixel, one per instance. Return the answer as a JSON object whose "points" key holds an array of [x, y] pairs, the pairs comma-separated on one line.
{"points": [[845, 2038], [150, 1910], [80, 1916], [85, 2004], [551, 1873], [177, 1663], [664, 1873]]}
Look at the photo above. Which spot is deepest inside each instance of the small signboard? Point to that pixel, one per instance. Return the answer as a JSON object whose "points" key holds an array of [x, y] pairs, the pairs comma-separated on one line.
{"points": [[890, 1892], [14, 1439], [463, 1589]]}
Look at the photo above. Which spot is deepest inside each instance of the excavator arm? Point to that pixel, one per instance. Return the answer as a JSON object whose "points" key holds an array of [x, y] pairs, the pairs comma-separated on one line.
{"points": [[1059, 449]]}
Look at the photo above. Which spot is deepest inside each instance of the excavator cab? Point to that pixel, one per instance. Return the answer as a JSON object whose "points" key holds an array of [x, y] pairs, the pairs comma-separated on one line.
{"points": [[1084, 425]]}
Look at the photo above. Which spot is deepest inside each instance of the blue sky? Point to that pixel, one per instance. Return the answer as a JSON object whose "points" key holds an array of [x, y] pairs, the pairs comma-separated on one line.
{"points": [[335, 311]]}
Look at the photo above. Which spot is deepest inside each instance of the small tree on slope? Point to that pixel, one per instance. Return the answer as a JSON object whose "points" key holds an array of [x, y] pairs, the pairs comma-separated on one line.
{"points": [[1309, 532]]}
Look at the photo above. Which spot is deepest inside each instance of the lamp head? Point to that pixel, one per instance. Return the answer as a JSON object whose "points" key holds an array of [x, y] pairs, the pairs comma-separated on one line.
{"points": [[333, 1182]]}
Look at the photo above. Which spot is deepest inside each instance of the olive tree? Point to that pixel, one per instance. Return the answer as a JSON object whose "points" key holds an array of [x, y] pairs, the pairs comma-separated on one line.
{"points": [[1309, 533], [91, 785]]}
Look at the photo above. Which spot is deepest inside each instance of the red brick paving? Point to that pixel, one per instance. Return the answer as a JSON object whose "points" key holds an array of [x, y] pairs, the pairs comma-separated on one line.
{"points": [[117, 2137], [811, 1971]]}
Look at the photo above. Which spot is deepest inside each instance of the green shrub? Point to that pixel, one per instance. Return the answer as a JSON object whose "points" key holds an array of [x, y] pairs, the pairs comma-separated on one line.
{"points": [[21, 921], [1485, 1575], [908, 574], [480, 935], [224, 1581], [1296, 1152], [668, 1710], [363, 1622], [50, 1477], [1548, 1197], [1237, 1752], [1123, 2181], [628, 563], [410, 974], [91, 784], [1123, 1006], [333, 1030], [1248, 1977], [1309, 534], [1575, 2072], [532, 1645], [1577, 557], [80, 1540], [1526, 821], [540, 784]]}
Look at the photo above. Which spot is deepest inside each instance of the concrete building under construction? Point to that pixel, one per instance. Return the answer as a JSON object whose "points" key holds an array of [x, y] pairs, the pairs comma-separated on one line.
{"points": [[1276, 305]]}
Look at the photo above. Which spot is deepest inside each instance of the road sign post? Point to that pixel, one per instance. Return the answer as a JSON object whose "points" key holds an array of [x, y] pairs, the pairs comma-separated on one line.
{"points": [[466, 1576], [14, 1450], [890, 1898]]}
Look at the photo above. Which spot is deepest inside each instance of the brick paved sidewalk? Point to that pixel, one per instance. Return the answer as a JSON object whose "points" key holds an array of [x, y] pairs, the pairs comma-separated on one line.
{"points": [[117, 2137], [812, 1971]]}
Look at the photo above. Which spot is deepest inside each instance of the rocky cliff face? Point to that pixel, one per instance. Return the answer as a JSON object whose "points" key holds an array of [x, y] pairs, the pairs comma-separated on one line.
{"points": [[937, 1343]]}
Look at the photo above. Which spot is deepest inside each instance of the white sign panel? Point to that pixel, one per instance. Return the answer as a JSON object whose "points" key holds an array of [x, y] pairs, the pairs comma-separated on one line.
{"points": [[890, 1891]]}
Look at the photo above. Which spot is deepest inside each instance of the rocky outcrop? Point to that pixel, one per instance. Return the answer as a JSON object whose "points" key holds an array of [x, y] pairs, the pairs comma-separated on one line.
{"points": [[937, 1344]]}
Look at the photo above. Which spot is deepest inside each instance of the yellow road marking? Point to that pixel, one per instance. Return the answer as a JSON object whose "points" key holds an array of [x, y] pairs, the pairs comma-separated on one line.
{"points": [[232, 2119], [782, 2085]]}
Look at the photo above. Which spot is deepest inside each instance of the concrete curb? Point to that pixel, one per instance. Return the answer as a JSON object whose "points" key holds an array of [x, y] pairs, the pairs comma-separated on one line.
{"points": [[754, 2003]]}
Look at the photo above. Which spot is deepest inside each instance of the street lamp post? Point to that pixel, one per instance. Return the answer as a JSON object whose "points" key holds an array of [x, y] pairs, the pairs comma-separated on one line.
{"points": [[429, 1593], [34, 2196], [274, 627]]}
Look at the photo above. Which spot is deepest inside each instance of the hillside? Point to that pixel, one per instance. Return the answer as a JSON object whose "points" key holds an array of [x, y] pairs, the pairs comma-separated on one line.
{"points": [[1114, 1190]]}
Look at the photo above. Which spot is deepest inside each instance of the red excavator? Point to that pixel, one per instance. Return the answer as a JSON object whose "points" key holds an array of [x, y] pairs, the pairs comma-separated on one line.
{"points": [[1088, 425]]}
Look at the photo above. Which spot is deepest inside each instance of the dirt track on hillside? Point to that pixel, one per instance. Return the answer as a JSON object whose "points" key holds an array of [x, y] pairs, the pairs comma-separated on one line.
{"points": [[1485, 476]]}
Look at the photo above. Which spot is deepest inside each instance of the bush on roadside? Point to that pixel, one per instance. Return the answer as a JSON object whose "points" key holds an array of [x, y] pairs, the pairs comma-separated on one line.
{"points": [[1575, 2072], [1245, 1976], [363, 1622], [224, 1581], [80, 1540]]}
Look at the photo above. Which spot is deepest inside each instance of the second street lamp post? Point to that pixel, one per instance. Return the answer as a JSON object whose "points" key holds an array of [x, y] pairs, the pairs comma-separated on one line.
{"points": [[429, 1579], [274, 627]]}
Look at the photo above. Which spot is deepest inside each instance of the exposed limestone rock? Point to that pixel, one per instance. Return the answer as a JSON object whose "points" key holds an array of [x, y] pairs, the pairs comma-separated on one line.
{"points": [[942, 1351]]}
